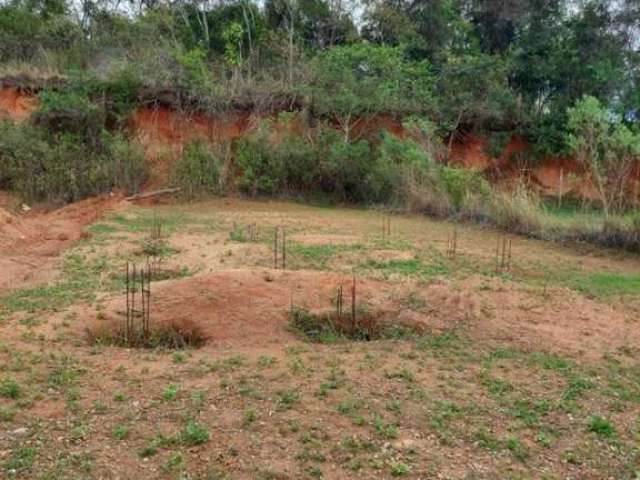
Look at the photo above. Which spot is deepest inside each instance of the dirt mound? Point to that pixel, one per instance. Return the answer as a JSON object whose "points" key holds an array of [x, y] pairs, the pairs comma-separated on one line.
{"points": [[251, 307], [239, 306], [561, 321]]}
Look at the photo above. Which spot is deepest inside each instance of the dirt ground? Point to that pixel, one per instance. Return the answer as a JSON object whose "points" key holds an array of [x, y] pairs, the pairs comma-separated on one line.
{"points": [[525, 371], [31, 240]]}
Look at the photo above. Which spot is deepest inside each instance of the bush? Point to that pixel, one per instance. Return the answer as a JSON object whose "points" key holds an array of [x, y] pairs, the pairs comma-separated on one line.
{"points": [[396, 162], [63, 168], [344, 168], [70, 111], [197, 171], [270, 163], [261, 172], [461, 183]]}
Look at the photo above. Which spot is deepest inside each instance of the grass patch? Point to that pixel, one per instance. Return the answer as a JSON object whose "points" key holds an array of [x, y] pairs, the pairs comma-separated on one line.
{"points": [[413, 267], [194, 434], [9, 388], [602, 427], [318, 256], [80, 280], [21, 460]]}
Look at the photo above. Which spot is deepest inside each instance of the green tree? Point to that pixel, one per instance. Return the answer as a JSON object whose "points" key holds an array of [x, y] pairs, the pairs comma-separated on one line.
{"points": [[605, 149], [357, 81]]}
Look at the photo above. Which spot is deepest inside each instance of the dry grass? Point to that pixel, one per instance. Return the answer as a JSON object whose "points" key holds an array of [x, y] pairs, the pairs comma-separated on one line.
{"points": [[174, 334]]}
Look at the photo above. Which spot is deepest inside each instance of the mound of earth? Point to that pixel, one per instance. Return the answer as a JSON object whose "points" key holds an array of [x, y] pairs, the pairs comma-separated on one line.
{"points": [[252, 306]]}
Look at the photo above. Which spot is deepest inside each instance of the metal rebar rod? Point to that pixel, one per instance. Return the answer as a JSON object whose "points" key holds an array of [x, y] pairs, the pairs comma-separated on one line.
{"points": [[353, 305], [275, 248], [284, 249]]}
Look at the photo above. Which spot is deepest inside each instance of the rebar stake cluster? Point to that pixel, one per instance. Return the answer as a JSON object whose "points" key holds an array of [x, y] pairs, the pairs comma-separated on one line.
{"points": [[156, 229], [340, 304], [452, 243], [138, 282], [386, 227], [154, 262], [279, 248], [252, 232], [503, 253]]}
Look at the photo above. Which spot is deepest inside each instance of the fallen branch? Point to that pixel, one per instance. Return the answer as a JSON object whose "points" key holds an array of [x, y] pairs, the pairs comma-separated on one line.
{"points": [[154, 193]]}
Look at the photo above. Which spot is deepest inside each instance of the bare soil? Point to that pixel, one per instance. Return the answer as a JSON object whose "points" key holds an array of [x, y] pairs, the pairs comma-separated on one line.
{"points": [[513, 374]]}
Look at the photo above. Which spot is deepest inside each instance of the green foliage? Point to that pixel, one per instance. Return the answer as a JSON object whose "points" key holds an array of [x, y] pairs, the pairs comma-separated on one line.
{"points": [[197, 171], [63, 168], [605, 149], [460, 183], [21, 459], [232, 36], [261, 172], [497, 142], [602, 427], [9, 388], [194, 67], [194, 434], [290, 164], [362, 79]]}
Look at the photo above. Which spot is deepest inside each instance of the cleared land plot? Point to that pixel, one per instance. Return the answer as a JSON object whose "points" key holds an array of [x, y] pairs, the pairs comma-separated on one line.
{"points": [[479, 372]]}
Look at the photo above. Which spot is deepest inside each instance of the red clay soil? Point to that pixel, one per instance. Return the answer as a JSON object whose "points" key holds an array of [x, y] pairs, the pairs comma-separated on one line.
{"points": [[30, 242], [242, 306], [163, 133], [551, 176], [249, 307], [16, 105], [471, 152]]}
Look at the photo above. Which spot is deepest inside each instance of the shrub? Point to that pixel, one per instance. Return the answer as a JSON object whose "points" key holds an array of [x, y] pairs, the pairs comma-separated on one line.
{"points": [[397, 161], [497, 143], [197, 171], [344, 167], [194, 434], [63, 168], [461, 183], [71, 111], [261, 172]]}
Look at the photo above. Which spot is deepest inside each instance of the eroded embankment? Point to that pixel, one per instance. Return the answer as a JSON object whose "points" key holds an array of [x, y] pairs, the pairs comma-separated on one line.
{"points": [[163, 132]]}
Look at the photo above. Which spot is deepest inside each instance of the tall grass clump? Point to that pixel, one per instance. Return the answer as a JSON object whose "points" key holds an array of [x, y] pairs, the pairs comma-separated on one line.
{"points": [[518, 210]]}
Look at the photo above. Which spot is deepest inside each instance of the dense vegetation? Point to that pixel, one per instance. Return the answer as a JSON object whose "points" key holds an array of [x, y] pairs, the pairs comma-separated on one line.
{"points": [[562, 76]]}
